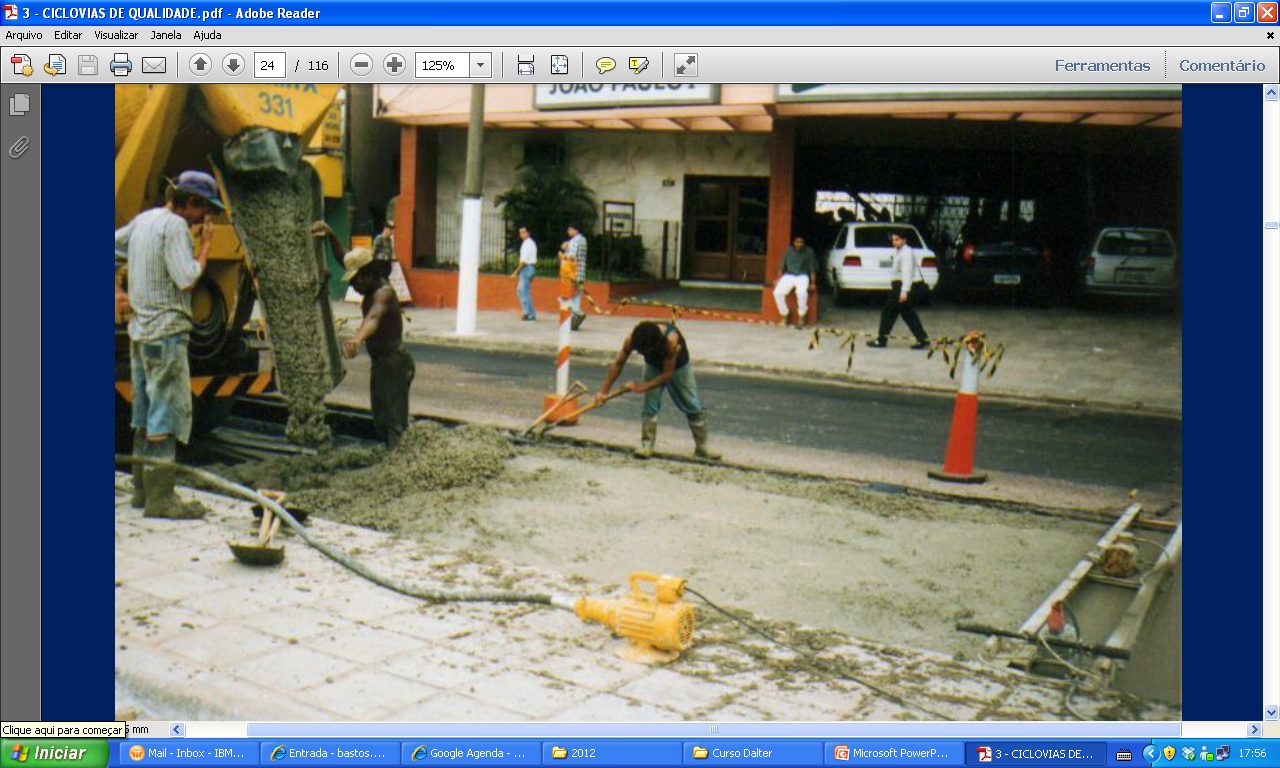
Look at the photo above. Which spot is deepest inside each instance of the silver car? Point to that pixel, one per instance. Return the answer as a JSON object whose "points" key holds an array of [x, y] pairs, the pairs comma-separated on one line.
{"points": [[1131, 261]]}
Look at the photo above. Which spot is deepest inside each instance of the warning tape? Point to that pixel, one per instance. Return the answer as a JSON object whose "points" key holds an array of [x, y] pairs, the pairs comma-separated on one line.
{"points": [[948, 346]]}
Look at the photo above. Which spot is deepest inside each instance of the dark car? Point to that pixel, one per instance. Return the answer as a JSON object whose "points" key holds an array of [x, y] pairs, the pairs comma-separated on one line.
{"points": [[1006, 263]]}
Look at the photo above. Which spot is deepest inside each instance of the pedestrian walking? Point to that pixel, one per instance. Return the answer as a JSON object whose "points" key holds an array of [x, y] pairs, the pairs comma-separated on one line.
{"points": [[906, 289], [666, 369], [799, 273], [391, 368], [384, 244], [524, 273], [577, 252], [163, 268]]}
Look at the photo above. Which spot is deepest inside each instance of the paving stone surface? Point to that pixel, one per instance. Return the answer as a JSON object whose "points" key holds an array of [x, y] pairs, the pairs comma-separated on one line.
{"points": [[202, 637]]}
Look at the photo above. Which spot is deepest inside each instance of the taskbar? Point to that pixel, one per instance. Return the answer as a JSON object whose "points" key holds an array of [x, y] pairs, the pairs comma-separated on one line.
{"points": [[171, 750]]}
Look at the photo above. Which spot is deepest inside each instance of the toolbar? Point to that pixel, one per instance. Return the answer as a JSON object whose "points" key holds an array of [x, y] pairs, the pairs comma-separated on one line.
{"points": [[637, 67]]}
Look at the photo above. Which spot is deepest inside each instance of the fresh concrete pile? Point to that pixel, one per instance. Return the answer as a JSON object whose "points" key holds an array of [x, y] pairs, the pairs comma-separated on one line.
{"points": [[379, 488]]}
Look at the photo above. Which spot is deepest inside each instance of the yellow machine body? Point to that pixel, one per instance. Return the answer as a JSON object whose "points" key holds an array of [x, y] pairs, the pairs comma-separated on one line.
{"points": [[657, 624], [163, 129]]}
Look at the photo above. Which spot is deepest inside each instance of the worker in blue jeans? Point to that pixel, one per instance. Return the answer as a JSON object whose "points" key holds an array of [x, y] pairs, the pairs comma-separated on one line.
{"points": [[524, 274], [666, 369]]}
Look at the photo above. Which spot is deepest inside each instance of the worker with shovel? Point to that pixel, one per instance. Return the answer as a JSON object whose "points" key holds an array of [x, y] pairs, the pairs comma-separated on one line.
{"points": [[382, 331], [666, 369]]}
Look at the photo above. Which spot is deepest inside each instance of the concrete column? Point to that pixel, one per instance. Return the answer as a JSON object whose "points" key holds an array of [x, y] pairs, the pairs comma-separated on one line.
{"points": [[416, 205], [469, 258], [782, 165]]}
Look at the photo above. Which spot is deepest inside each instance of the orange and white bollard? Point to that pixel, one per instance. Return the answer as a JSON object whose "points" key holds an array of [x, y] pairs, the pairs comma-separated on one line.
{"points": [[957, 467], [570, 404]]}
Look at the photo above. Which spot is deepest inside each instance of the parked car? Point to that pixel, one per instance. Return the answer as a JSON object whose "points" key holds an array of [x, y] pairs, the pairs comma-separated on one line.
{"points": [[1006, 262], [1131, 261], [861, 260]]}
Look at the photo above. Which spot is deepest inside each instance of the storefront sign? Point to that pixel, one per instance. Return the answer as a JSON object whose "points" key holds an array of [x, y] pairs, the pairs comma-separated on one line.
{"points": [[598, 95], [908, 92]]}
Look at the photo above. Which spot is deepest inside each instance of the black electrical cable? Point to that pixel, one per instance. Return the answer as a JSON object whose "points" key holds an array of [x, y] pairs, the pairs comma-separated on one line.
{"points": [[830, 666]]}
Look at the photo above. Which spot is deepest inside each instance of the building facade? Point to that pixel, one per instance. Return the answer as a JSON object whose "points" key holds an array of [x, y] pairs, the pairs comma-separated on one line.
{"points": [[715, 180]]}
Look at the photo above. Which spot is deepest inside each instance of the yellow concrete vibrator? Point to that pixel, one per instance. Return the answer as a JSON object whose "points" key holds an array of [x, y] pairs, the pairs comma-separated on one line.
{"points": [[657, 625]]}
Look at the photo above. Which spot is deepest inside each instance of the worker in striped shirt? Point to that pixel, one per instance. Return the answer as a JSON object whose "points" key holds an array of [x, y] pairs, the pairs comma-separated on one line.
{"points": [[578, 253], [163, 268]]}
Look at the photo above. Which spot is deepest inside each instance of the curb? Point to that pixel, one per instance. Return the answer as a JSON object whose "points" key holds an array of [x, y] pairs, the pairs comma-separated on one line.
{"points": [[831, 377]]}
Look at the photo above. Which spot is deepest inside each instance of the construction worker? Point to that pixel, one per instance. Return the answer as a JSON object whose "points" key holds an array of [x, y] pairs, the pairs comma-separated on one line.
{"points": [[163, 268], [382, 331], [666, 369]]}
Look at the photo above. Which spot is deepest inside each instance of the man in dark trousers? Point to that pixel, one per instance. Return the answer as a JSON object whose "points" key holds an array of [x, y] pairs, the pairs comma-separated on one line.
{"points": [[904, 292], [666, 369], [382, 331]]}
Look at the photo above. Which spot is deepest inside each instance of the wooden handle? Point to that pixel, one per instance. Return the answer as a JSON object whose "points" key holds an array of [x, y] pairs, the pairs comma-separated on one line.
{"points": [[264, 529], [275, 528]]}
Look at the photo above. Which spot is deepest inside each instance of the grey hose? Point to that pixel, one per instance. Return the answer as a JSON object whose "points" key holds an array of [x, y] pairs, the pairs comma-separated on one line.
{"points": [[339, 557]]}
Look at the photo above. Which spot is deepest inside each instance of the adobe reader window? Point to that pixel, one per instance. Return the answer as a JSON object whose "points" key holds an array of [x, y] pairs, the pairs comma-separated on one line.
{"points": [[639, 383]]}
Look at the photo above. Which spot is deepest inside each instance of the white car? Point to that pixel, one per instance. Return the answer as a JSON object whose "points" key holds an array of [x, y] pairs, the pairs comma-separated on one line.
{"points": [[1131, 261], [862, 258]]}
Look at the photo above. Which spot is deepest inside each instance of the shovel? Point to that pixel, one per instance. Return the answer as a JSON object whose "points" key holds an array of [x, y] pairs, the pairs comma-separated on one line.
{"points": [[575, 389], [261, 552], [574, 414], [278, 497]]}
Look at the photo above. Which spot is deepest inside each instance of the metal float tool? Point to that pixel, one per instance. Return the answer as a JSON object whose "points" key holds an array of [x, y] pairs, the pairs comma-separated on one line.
{"points": [[1110, 565]]}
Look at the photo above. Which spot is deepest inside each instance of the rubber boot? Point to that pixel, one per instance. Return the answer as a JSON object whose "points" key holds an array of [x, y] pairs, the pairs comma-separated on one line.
{"points": [[162, 501], [698, 426], [139, 498], [648, 436]]}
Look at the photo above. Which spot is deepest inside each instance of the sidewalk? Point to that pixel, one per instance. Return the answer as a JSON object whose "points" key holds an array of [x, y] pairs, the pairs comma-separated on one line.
{"points": [[202, 637], [1126, 360]]}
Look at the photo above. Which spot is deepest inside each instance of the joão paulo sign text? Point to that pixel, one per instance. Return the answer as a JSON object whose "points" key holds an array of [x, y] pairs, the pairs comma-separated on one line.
{"points": [[579, 95]]}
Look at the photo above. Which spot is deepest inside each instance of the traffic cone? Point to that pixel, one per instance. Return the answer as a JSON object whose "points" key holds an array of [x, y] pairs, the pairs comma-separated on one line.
{"points": [[957, 467]]}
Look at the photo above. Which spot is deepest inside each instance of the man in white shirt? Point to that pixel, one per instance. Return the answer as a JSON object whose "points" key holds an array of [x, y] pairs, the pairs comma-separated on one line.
{"points": [[524, 273], [904, 291]]}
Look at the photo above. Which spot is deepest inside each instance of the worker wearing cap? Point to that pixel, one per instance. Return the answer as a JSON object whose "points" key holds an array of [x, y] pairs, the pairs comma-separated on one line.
{"points": [[163, 268], [666, 369], [382, 331]]}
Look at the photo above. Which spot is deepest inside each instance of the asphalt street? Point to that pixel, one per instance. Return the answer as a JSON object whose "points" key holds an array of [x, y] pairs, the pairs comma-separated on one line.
{"points": [[1054, 442]]}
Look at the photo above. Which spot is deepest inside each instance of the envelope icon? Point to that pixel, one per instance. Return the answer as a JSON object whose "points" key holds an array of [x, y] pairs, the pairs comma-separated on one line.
{"points": [[559, 753], [699, 753], [154, 65]]}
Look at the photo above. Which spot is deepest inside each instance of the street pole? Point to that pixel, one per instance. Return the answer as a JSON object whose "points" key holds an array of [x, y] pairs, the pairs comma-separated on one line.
{"points": [[472, 203]]}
